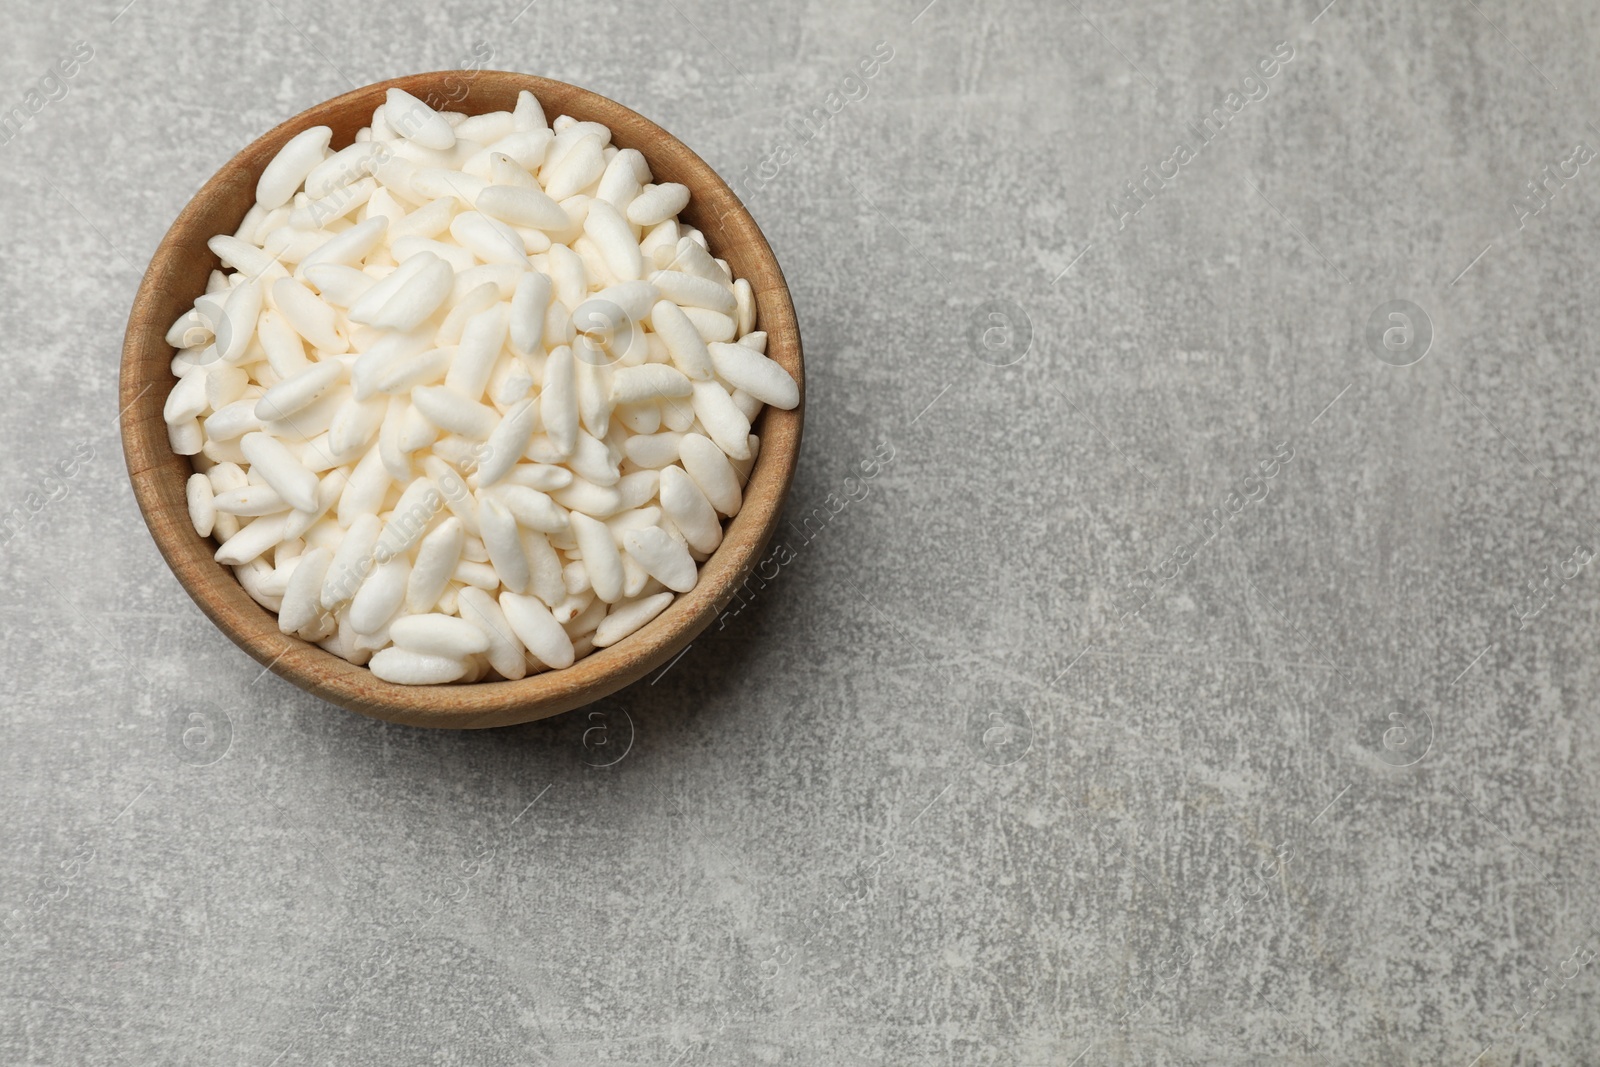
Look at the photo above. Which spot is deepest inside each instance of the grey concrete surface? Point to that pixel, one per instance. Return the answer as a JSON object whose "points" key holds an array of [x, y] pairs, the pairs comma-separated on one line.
{"points": [[964, 784]]}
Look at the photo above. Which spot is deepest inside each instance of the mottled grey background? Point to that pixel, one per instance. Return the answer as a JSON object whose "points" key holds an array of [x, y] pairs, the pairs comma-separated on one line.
{"points": [[940, 794]]}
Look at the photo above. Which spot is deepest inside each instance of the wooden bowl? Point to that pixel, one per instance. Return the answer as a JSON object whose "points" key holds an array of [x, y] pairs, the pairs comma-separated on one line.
{"points": [[177, 275]]}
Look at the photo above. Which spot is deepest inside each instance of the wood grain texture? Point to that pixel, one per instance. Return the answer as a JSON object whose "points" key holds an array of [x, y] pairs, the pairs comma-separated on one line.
{"points": [[177, 275]]}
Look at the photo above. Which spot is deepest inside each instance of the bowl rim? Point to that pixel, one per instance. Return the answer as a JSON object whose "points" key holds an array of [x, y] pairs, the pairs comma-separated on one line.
{"points": [[158, 475]]}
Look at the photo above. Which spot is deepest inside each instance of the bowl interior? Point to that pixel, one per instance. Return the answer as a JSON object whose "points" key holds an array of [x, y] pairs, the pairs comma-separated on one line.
{"points": [[177, 275]]}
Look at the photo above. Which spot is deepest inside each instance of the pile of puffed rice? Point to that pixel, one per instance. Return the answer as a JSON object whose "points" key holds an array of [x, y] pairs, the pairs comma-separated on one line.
{"points": [[469, 401]]}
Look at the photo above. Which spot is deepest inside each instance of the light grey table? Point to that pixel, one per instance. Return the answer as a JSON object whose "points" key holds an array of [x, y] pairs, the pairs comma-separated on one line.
{"points": [[1072, 737]]}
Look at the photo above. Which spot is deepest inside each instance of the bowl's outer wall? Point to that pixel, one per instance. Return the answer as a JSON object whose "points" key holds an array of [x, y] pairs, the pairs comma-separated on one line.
{"points": [[177, 274]]}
